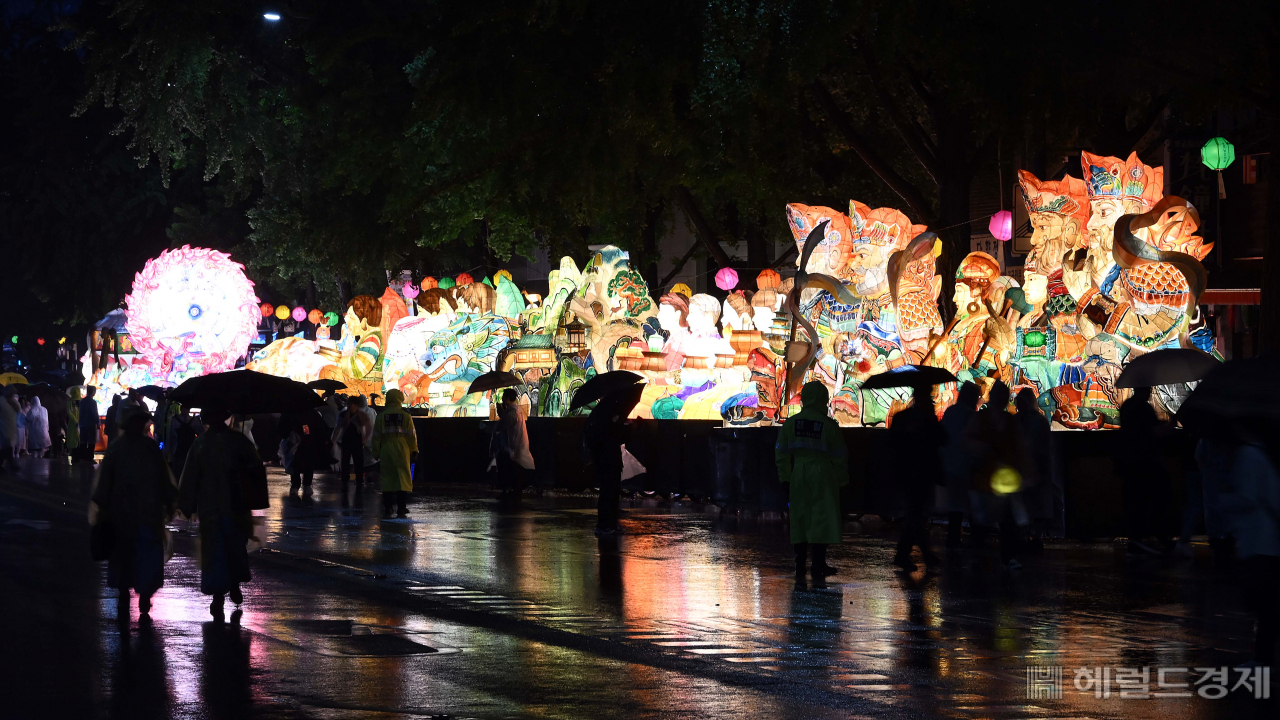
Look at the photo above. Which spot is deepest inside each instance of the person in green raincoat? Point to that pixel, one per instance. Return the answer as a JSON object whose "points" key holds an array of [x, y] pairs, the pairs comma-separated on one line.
{"points": [[396, 446], [813, 461], [73, 423]]}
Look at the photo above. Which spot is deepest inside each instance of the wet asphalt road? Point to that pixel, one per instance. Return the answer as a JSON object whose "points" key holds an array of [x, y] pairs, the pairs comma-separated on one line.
{"points": [[471, 609]]}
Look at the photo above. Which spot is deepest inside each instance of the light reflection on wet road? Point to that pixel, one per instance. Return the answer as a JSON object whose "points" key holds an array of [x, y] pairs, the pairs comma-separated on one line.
{"points": [[474, 610]]}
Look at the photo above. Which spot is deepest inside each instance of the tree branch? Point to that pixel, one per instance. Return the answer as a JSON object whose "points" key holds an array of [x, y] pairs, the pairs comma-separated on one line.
{"points": [[702, 229], [900, 185], [679, 266], [910, 131]]}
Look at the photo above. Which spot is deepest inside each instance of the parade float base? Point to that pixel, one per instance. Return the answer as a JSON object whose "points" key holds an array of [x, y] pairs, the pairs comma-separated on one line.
{"points": [[734, 468]]}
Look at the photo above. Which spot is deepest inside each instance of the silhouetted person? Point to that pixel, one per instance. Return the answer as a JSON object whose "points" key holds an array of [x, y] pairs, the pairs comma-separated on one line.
{"points": [[9, 409], [304, 437], [134, 494], [956, 461], [1213, 456], [1254, 511], [916, 436], [184, 428], [1040, 491], [109, 422], [998, 468], [512, 445], [604, 436], [396, 446], [814, 463], [351, 432], [88, 424], [220, 467], [1138, 464]]}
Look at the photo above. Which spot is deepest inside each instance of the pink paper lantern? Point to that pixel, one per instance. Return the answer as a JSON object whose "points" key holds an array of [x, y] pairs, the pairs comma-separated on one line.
{"points": [[410, 291], [299, 313], [1001, 226], [727, 279]]}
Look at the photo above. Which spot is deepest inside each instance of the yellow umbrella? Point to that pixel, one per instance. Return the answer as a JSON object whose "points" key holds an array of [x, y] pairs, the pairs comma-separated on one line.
{"points": [[12, 378]]}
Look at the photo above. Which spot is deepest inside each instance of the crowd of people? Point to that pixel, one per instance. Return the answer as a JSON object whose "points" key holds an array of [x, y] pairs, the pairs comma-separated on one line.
{"points": [[995, 467], [24, 426]]}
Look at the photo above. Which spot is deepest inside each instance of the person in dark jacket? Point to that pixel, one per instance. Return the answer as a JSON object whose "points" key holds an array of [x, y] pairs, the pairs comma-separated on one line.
{"points": [[110, 425], [604, 435], [88, 424], [134, 494], [307, 437], [999, 466], [352, 432], [1141, 474], [915, 437], [956, 461], [221, 469]]}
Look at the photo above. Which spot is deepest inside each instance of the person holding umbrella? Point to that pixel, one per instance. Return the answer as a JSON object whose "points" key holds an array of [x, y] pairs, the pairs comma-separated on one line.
{"points": [[813, 461], [395, 444], [916, 437], [222, 476], [604, 435]]}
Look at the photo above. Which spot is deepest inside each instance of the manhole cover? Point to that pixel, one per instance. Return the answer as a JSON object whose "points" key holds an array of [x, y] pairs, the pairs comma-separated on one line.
{"points": [[377, 645], [323, 627]]}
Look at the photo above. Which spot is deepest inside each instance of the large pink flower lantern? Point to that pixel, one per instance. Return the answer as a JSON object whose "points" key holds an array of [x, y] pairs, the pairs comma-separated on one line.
{"points": [[193, 311]]}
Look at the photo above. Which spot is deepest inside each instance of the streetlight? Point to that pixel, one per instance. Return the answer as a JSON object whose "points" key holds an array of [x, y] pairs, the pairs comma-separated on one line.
{"points": [[271, 17]]}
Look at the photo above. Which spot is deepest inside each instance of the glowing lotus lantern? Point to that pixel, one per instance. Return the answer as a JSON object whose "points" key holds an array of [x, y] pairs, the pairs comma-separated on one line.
{"points": [[192, 310], [314, 317], [282, 312], [429, 283], [446, 283], [267, 310], [727, 279], [464, 280], [1001, 225], [331, 318]]}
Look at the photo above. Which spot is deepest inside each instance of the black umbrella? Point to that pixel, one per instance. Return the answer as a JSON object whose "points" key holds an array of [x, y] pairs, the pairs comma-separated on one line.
{"points": [[494, 380], [155, 392], [909, 376], [1239, 390], [327, 385], [1166, 367], [246, 392], [619, 402], [603, 385], [31, 390]]}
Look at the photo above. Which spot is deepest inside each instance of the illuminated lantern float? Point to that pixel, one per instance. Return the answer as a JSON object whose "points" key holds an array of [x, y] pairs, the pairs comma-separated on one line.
{"points": [[191, 312], [1092, 297]]}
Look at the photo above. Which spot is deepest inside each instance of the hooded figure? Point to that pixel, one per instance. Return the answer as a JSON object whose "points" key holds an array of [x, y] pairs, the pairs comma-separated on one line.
{"points": [[222, 480], [813, 461], [396, 446], [73, 421], [134, 495], [37, 427]]}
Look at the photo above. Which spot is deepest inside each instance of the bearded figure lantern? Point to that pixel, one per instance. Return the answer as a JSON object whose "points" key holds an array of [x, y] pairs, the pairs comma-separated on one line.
{"points": [[1058, 211], [1143, 305], [1115, 187]]}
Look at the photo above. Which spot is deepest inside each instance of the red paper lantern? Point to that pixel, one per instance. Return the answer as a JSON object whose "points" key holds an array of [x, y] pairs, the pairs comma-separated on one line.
{"points": [[39, 341], [315, 316], [464, 279], [429, 283], [267, 310], [1001, 225]]}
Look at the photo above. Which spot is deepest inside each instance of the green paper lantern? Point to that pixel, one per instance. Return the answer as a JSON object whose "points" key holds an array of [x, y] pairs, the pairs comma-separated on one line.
{"points": [[1218, 154], [446, 283], [331, 318]]}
